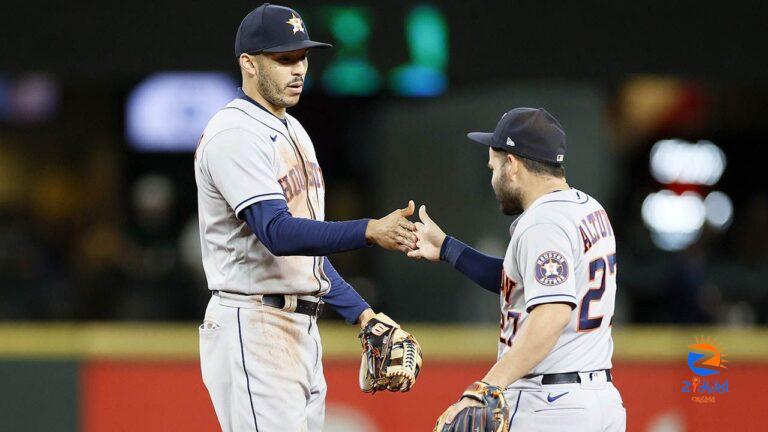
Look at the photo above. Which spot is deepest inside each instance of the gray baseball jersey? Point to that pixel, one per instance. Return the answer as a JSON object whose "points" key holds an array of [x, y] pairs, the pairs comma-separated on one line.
{"points": [[563, 250], [247, 155]]}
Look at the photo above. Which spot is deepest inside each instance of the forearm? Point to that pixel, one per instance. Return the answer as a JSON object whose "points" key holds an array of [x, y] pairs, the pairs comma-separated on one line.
{"points": [[482, 269], [531, 345], [298, 236], [286, 235]]}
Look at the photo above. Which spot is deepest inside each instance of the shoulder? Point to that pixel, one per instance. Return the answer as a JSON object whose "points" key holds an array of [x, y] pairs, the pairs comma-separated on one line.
{"points": [[559, 208], [244, 115], [554, 213], [537, 221], [232, 141], [228, 115]]}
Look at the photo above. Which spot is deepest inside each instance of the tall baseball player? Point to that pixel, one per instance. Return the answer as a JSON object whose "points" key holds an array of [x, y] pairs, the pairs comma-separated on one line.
{"points": [[557, 287], [261, 209]]}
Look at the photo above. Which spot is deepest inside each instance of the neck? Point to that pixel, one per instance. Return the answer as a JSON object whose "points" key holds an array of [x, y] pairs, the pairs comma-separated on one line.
{"points": [[249, 88], [541, 188]]}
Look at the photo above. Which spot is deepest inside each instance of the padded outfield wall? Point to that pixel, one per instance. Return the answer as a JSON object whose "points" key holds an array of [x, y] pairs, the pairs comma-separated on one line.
{"points": [[135, 377]]}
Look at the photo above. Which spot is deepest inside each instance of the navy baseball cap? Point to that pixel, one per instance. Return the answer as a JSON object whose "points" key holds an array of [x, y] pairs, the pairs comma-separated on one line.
{"points": [[272, 28], [532, 133]]}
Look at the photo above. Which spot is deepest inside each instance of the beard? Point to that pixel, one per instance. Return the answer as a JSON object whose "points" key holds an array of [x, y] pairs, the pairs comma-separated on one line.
{"points": [[273, 92], [510, 200]]}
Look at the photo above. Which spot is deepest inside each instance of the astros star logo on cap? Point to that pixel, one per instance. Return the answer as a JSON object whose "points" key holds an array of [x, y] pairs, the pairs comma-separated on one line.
{"points": [[298, 25]]}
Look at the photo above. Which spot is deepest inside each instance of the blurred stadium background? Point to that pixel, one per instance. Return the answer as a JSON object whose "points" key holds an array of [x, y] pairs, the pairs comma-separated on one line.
{"points": [[101, 105]]}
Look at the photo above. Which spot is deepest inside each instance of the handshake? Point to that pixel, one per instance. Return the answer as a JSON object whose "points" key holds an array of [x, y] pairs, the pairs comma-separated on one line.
{"points": [[395, 232], [391, 356]]}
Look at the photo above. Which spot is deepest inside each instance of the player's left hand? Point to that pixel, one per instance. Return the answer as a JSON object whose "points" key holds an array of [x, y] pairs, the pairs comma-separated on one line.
{"points": [[391, 357]]}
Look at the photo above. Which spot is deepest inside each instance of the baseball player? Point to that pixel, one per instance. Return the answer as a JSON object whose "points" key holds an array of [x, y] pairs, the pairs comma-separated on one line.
{"points": [[264, 242], [556, 282]]}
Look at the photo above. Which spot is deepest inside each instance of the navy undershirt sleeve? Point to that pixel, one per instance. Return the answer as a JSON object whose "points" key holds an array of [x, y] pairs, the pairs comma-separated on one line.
{"points": [[284, 234], [342, 297], [482, 269]]}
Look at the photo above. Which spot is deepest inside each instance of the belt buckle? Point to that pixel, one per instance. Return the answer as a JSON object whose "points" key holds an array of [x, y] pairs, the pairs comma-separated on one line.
{"points": [[290, 302]]}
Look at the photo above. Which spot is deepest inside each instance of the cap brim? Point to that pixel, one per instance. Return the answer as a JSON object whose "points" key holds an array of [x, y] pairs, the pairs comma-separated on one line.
{"points": [[297, 45], [485, 138]]}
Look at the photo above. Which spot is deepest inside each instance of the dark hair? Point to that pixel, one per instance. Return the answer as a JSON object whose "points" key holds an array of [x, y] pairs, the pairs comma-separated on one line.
{"points": [[540, 168], [543, 168]]}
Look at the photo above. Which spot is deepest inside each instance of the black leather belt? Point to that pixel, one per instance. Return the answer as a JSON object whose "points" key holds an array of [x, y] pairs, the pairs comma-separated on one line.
{"points": [[571, 377], [304, 307]]}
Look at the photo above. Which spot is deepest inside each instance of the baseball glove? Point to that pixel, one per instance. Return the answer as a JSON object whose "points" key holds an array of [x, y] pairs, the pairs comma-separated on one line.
{"points": [[493, 416], [391, 356]]}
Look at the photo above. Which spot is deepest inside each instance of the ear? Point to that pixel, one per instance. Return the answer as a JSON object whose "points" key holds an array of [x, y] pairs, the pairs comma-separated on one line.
{"points": [[513, 164], [247, 64]]}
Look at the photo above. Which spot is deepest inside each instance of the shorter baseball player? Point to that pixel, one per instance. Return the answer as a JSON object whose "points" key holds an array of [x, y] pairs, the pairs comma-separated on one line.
{"points": [[557, 288]]}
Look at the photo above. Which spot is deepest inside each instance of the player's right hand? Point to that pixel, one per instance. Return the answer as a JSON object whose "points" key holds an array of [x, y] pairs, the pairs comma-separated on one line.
{"points": [[430, 238], [394, 231]]}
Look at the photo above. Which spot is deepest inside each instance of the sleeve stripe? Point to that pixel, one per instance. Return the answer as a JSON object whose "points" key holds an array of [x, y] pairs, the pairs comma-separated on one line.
{"points": [[274, 194], [550, 295]]}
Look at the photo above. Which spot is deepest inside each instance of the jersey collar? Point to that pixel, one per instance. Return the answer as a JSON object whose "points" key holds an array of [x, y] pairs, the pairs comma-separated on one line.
{"points": [[241, 95], [571, 195]]}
